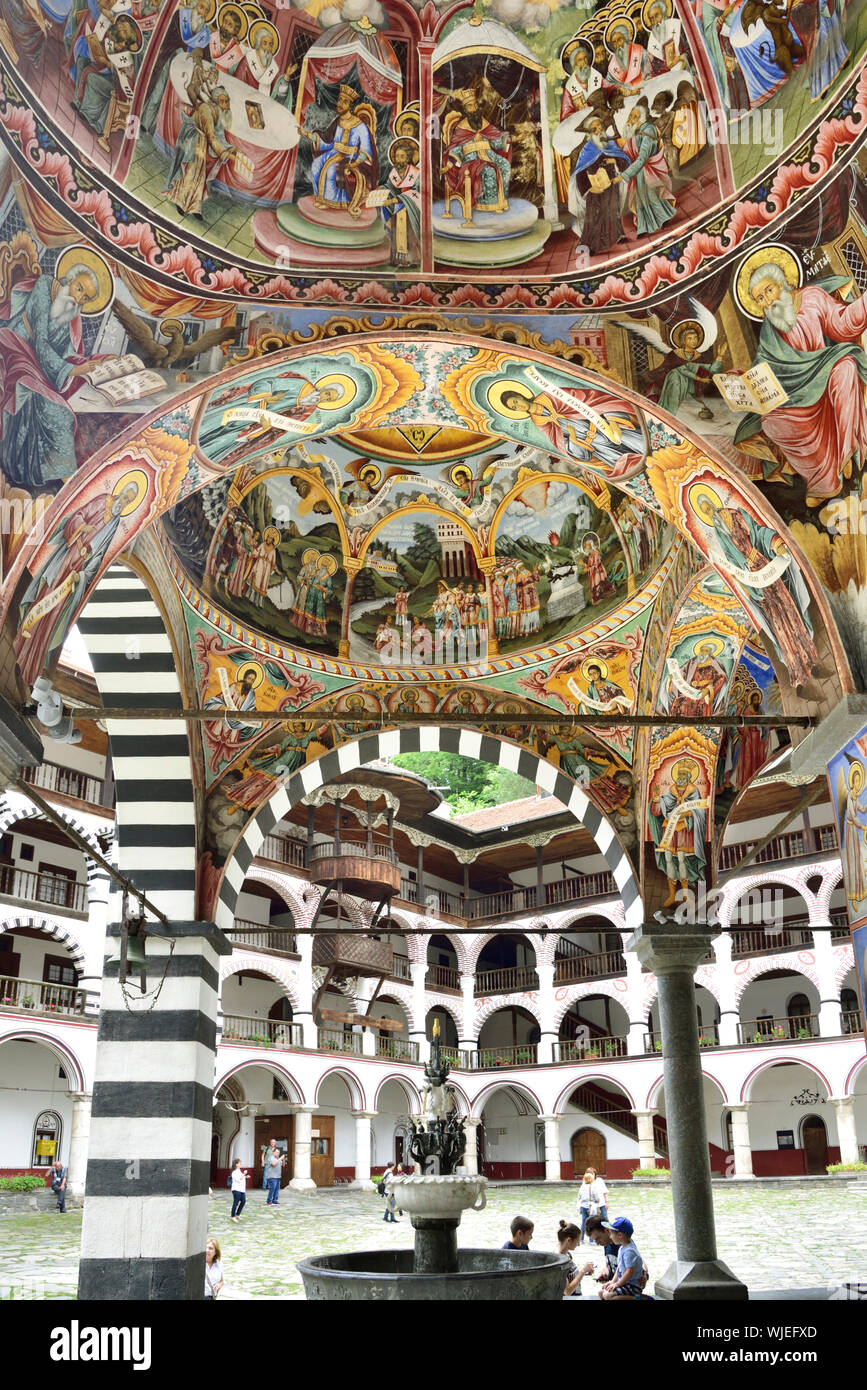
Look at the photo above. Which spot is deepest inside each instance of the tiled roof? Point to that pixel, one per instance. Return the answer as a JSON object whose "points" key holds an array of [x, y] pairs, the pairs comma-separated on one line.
{"points": [[510, 813]]}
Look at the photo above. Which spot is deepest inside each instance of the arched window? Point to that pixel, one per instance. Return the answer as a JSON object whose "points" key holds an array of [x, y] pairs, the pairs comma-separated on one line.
{"points": [[47, 1133], [800, 1022]]}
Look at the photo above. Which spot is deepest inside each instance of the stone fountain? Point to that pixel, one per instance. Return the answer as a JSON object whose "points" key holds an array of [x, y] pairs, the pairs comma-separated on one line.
{"points": [[434, 1200]]}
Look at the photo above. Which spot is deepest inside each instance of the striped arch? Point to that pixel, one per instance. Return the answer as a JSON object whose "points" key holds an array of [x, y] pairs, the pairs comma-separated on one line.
{"points": [[134, 664], [357, 1099], [520, 1087], [567, 995], [12, 811], [52, 927], [459, 944], [844, 961], [488, 1007], [775, 1062], [477, 944], [269, 1065], [410, 1092], [62, 1051], [559, 1106], [612, 912], [832, 875], [291, 900], [849, 1087], [402, 996], [452, 1007], [737, 889], [470, 743], [276, 970], [762, 965]]}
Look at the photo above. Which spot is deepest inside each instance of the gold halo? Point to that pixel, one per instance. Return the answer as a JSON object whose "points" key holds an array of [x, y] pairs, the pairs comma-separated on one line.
{"points": [[340, 379], [687, 763], [369, 469], [212, 9], [141, 481], [328, 563], [649, 5], [252, 666], [594, 661], [859, 769], [458, 471], [257, 27], [85, 255], [405, 140], [695, 495], [622, 22], [590, 536], [271, 531], [569, 49], [716, 645], [766, 255], [407, 115], [309, 556], [172, 323], [680, 328], [499, 388], [242, 15], [254, 12]]}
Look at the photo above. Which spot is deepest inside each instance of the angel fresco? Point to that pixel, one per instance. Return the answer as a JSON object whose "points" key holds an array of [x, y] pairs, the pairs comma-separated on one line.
{"points": [[177, 352], [689, 362], [852, 813]]}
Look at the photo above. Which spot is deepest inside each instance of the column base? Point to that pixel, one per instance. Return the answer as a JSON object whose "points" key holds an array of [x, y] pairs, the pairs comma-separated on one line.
{"points": [[363, 1185], [302, 1184], [700, 1281]]}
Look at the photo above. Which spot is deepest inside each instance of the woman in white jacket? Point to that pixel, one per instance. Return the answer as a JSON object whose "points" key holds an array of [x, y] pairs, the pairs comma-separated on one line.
{"points": [[592, 1198]]}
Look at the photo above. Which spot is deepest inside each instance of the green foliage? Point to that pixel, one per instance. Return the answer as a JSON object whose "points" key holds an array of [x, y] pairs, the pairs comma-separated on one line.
{"points": [[467, 784], [846, 1167], [24, 1182], [651, 1173]]}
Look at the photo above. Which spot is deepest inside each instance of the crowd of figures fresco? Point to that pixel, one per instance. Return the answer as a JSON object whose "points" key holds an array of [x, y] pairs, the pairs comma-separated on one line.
{"points": [[365, 505]]}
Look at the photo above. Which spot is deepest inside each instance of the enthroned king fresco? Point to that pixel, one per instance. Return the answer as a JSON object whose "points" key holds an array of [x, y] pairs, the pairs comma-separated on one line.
{"points": [[518, 372]]}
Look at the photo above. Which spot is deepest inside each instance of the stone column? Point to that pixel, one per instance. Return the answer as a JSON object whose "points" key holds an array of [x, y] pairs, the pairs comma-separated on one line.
{"points": [[306, 988], [146, 1194], [546, 1012], [646, 1142], [301, 1180], [362, 1149], [846, 1133], [471, 1153], [741, 1141], [829, 992], [673, 951], [725, 974], [79, 1138], [418, 971], [468, 987], [552, 1147], [635, 1006]]}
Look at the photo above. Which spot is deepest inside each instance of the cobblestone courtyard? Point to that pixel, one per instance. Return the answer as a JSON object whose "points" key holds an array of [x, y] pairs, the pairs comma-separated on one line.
{"points": [[807, 1236]]}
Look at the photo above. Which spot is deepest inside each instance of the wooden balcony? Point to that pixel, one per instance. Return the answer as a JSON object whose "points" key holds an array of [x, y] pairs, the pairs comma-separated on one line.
{"points": [[760, 1032], [763, 941], [488, 1058], [256, 936], [708, 1036], [850, 1022], [335, 1040], [458, 1057], [400, 968], [793, 845], [369, 871], [37, 997], [261, 1032], [280, 849], [53, 891], [584, 966], [397, 1049], [69, 784], [444, 977], [514, 977], [593, 1050], [355, 954]]}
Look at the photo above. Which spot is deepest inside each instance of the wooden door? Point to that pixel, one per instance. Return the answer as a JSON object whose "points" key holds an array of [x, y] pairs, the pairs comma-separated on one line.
{"points": [[588, 1151], [322, 1151], [281, 1128], [815, 1139]]}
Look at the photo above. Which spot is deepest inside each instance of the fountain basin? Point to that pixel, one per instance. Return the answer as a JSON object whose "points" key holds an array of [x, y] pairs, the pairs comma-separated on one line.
{"points": [[492, 1275], [446, 1197]]}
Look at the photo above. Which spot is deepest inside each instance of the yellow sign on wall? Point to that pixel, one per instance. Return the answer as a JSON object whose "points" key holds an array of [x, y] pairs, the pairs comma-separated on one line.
{"points": [[46, 1148]]}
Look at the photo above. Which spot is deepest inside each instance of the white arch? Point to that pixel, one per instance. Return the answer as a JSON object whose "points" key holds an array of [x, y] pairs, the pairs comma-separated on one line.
{"points": [[653, 1093], [746, 1088], [353, 1085], [491, 1089], [410, 1092], [276, 970], [496, 1002], [559, 1107], [61, 1049], [567, 995], [269, 1064], [758, 966]]}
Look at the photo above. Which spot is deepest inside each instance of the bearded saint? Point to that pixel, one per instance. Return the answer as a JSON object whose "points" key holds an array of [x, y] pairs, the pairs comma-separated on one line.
{"points": [[812, 343]]}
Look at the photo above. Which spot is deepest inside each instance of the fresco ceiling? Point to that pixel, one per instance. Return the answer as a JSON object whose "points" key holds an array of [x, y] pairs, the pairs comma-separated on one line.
{"points": [[503, 360]]}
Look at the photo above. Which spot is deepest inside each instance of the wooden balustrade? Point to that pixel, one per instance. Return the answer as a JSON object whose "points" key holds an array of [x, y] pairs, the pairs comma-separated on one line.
{"points": [[66, 781], [761, 941], [398, 1049], [280, 849], [593, 1050], [261, 1032], [762, 1031], [41, 998], [51, 890], [570, 969], [850, 1022], [504, 981], [708, 1036], [260, 936], [523, 1055], [443, 977], [793, 845], [335, 1040]]}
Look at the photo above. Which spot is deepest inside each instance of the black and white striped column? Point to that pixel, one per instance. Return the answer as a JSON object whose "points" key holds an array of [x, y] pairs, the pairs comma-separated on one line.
{"points": [[146, 1199]]}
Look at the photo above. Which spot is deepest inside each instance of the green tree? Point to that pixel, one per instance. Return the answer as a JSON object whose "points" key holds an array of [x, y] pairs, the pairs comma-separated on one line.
{"points": [[466, 784]]}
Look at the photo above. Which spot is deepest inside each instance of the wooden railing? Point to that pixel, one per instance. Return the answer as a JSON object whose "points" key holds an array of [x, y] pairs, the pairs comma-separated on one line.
{"points": [[333, 849], [335, 1040], [42, 998], [593, 1050], [584, 966], [443, 977], [564, 890], [793, 845], [459, 1058], [400, 969], [280, 849], [708, 1036], [259, 936], [524, 1055], [260, 1032], [840, 927], [504, 981], [761, 941], [51, 890], [850, 1022], [67, 782], [398, 1049], [761, 1031]]}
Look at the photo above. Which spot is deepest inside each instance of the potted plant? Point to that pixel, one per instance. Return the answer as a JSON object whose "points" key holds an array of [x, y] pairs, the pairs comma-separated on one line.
{"points": [[803, 1033], [705, 1041], [778, 1032], [592, 1052], [657, 1044], [27, 1002]]}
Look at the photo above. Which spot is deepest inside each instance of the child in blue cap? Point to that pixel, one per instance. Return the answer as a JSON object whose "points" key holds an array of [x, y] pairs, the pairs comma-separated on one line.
{"points": [[630, 1266]]}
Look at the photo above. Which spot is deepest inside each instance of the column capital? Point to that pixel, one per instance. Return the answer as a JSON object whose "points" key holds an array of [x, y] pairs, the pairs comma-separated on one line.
{"points": [[549, 1118], [842, 1100], [643, 1112], [364, 1114], [670, 947], [471, 1120], [739, 1106], [208, 931], [304, 1109]]}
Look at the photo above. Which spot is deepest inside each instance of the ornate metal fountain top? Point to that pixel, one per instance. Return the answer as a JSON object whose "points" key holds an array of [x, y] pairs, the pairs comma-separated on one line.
{"points": [[438, 1143]]}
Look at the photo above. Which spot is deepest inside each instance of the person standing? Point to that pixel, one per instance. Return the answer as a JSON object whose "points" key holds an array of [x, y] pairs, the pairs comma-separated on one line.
{"points": [[592, 1198], [239, 1189], [58, 1184], [568, 1238], [213, 1269], [274, 1160]]}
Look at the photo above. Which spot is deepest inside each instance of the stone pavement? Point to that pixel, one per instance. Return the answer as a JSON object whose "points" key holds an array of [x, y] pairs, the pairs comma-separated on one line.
{"points": [[794, 1236]]}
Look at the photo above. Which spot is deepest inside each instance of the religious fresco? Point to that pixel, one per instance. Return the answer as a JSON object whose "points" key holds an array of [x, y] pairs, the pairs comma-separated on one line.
{"points": [[279, 151], [847, 779], [744, 749]]}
